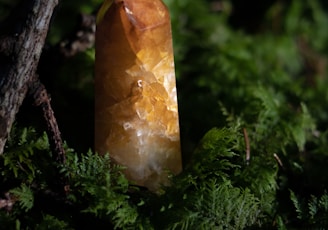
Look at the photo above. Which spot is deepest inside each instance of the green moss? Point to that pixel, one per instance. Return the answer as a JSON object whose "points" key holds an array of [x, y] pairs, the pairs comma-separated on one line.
{"points": [[271, 82]]}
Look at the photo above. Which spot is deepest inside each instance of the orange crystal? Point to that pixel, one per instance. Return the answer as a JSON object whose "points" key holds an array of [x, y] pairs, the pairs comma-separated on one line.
{"points": [[136, 118]]}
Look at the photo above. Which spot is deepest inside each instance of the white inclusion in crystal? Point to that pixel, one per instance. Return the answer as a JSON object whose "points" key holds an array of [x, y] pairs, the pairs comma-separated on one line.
{"points": [[169, 85], [141, 113], [139, 83], [153, 162], [127, 125], [128, 11], [139, 133], [173, 137], [173, 94], [143, 137]]}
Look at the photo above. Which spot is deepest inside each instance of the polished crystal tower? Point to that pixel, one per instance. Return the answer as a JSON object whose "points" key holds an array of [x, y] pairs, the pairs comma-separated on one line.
{"points": [[136, 114]]}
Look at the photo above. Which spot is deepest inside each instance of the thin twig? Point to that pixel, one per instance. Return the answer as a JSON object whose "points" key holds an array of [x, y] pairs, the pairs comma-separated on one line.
{"points": [[42, 99], [278, 160], [248, 148]]}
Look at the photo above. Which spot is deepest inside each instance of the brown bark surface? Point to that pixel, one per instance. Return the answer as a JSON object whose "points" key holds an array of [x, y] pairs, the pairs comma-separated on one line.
{"points": [[22, 38]]}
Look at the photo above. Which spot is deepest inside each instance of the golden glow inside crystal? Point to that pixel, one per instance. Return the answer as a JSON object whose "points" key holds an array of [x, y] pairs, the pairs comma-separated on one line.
{"points": [[136, 117]]}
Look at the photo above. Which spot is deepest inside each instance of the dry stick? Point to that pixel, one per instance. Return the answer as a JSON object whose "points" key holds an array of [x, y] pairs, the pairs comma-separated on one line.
{"points": [[248, 148], [42, 99], [8, 202]]}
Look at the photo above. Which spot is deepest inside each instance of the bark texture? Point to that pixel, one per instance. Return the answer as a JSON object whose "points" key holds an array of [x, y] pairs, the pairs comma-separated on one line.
{"points": [[21, 42]]}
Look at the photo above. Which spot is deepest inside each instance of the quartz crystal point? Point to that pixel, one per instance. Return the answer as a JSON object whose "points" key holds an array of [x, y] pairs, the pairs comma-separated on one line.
{"points": [[136, 117]]}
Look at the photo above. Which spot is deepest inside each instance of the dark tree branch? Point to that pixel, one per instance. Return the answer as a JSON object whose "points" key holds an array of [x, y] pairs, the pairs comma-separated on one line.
{"points": [[21, 44]]}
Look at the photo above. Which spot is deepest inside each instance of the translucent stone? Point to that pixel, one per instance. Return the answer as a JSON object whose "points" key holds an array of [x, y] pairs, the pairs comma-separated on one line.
{"points": [[136, 114]]}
